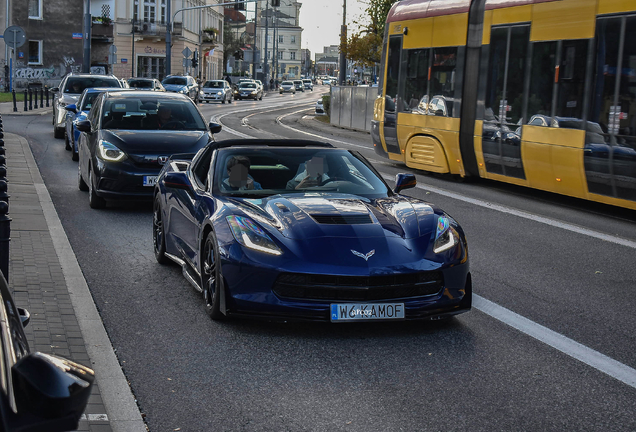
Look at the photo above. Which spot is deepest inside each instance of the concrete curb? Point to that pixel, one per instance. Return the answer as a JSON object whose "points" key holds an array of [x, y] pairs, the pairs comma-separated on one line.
{"points": [[121, 407]]}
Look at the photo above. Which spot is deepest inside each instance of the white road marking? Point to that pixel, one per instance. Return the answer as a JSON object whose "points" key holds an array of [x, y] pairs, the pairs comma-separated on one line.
{"points": [[590, 357]]}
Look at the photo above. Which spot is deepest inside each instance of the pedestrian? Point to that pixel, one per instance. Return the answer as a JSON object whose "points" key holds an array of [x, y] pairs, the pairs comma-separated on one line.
{"points": [[271, 83]]}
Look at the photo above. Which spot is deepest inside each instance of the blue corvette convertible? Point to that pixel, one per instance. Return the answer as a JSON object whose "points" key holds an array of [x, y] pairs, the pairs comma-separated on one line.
{"points": [[301, 230]]}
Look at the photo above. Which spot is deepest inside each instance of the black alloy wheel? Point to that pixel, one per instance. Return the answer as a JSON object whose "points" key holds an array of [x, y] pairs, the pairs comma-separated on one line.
{"points": [[211, 280], [158, 238], [96, 202]]}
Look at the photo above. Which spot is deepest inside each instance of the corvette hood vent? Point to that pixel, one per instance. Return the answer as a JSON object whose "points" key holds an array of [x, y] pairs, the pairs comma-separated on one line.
{"points": [[334, 219]]}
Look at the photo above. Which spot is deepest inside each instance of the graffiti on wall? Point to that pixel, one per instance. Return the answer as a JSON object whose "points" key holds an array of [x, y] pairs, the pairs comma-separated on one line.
{"points": [[30, 73]]}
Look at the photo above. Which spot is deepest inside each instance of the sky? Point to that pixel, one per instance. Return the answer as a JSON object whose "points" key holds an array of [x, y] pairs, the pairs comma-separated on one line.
{"points": [[321, 21]]}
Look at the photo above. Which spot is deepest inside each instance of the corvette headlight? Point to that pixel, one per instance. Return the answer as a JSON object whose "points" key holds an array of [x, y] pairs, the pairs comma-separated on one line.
{"points": [[446, 236], [250, 235], [109, 152]]}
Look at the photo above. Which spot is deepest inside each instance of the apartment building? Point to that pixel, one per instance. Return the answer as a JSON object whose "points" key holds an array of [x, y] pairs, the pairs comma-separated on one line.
{"points": [[137, 28], [284, 37]]}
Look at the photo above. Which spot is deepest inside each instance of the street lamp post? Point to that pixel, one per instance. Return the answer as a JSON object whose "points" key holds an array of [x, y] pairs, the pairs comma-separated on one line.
{"points": [[343, 41]]}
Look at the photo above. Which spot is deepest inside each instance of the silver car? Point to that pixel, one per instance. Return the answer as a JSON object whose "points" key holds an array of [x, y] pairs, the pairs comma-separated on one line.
{"points": [[216, 90], [287, 87], [69, 91]]}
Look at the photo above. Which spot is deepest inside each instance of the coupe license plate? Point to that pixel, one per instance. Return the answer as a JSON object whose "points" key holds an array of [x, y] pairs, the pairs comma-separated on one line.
{"points": [[150, 180], [366, 311]]}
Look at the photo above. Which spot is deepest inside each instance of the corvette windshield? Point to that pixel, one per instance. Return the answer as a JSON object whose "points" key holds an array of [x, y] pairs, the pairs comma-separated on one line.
{"points": [[253, 172]]}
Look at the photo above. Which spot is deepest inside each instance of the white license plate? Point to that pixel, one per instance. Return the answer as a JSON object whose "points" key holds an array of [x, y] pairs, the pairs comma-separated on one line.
{"points": [[150, 180], [366, 311]]}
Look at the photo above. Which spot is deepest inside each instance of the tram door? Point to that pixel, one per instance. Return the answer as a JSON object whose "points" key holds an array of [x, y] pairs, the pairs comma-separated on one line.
{"points": [[391, 94]]}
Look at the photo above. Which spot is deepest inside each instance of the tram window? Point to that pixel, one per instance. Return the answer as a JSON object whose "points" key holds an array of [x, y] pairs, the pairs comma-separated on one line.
{"points": [[416, 80], [442, 85], [542, 80], [393, 66], [572, 82], [508, 46]]}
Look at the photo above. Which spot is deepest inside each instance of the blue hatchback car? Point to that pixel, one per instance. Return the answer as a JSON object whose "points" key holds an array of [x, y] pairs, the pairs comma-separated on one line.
{"points": [[78, 112], [301, 230]]}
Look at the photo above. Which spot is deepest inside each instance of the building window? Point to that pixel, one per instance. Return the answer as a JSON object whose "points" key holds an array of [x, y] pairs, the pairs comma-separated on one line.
{"points": [[292, 55], [293, 39], [281, 39], [280, 55], [35, 52], [35, 9]]}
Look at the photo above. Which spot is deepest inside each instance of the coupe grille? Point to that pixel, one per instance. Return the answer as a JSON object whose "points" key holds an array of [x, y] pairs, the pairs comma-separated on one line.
{"points": [[342, 219], [358, 288]]}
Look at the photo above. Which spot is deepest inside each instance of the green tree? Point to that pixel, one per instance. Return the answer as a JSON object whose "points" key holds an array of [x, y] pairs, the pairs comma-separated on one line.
{"points": [[365, 46], [231, 43]]}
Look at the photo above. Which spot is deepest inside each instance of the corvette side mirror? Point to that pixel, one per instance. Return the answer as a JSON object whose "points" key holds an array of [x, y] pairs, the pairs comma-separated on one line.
{"points": [[404, 181], [177, 180]]}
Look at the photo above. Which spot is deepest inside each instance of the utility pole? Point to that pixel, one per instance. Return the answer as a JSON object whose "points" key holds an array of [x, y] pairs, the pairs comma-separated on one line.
{"points": [[86, 66], [132, 59], [168, 37], [343, 41], [254, 42], [266, 67]]}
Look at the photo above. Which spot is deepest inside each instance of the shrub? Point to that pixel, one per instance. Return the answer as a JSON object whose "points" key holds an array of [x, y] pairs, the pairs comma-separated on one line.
{"points": [[326, 103]]}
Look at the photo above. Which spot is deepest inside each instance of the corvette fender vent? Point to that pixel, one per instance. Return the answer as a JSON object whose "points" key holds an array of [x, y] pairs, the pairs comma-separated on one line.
{"points": [[358, 288], [342, 219]]}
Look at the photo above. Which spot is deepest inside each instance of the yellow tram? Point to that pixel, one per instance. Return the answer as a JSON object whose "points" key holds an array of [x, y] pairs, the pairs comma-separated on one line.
{"points": [[538, 93]]}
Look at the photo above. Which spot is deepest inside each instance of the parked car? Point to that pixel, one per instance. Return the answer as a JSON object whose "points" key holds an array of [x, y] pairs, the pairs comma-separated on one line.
{"points": [[308, 84], [146, 84], [299, 86], [320, 109], [216, 90], [182, 84], [128, 136], [250, 90], [40, 392], [76, 113], [294, 229], [260, 84], [287, 87], [69, 91]]}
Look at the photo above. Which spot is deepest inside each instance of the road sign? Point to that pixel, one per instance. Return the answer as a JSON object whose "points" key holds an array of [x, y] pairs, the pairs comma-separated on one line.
{"points": [[14, 37], [112, 58], [186, 52], [112, 49]]}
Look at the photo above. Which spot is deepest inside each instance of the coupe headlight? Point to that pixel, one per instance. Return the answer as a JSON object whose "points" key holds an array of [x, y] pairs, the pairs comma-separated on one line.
{"points": [[109, 152], [219, 93], [446, 236], [250, 235], [254, 92]]}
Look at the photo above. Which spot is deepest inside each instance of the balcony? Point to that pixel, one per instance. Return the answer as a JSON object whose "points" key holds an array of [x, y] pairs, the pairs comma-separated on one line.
{"points": [[102, 31], [150, 29]]}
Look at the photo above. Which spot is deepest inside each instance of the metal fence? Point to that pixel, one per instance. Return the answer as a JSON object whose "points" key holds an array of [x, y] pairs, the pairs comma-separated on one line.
{"points": [[352, 107]]}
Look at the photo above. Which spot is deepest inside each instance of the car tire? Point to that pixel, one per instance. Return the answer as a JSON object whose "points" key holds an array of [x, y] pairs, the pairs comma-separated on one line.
{"points": [[211, 280], [58, 132], [74, 154], [94, 201], [67, 142], [230, 101], [81, 184], [260, 98], [223, 101], [158, 234]]}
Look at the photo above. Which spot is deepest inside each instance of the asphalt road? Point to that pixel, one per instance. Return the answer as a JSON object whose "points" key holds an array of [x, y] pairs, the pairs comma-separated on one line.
{"points": [[564, 265]]}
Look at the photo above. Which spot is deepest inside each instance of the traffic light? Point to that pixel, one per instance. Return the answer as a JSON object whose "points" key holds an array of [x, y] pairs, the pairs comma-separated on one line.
{"points": [[239, 5], [275, 3], [195, 58]]}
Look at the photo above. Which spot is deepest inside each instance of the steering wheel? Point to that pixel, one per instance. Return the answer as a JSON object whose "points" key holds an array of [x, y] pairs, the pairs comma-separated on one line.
{"points": [[173, 124], [331, 179]]}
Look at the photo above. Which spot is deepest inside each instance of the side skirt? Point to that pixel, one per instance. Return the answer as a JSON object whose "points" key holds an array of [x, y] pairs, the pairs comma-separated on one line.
{"points": [[189, 273]]}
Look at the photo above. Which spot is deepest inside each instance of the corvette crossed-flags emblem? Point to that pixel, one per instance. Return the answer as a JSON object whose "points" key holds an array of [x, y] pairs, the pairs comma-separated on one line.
{"points": [[361, 255]]}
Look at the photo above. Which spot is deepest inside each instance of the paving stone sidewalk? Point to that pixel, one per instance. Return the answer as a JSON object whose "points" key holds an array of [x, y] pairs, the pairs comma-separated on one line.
{"points": [[37, 280]]}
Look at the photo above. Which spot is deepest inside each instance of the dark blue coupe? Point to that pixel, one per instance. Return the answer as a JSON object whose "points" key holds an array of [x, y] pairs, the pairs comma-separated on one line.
{"points": [[300, 230]]}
